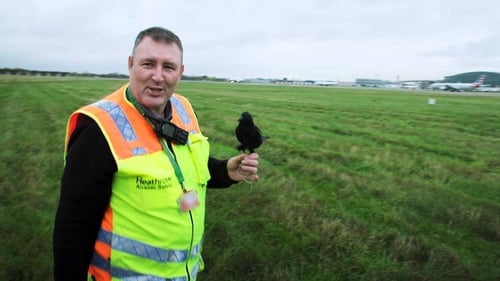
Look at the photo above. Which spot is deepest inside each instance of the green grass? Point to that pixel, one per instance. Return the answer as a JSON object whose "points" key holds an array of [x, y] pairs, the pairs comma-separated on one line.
{"points": [[356, 184]]}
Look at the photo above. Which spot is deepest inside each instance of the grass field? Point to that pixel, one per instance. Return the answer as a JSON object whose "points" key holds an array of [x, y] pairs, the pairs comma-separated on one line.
{"points": [[356, 184]]}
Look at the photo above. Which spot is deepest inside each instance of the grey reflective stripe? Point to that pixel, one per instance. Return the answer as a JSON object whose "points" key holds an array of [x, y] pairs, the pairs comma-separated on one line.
{"points": [[138, 151], [121, 123], [195, 271], [143, 250], [119, 118], [128, 275], [183, 113]]}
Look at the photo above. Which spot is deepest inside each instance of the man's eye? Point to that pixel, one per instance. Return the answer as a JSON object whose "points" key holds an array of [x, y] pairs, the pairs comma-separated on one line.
{"points": [[147, 64]]}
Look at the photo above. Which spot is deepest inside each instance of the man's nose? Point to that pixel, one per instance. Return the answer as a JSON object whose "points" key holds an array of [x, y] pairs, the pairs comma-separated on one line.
{"points": [[158, 74]]}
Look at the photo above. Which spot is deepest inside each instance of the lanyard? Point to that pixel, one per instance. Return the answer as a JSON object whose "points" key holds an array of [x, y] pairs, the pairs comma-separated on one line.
{"points": [[173, 161], [166, 149]]}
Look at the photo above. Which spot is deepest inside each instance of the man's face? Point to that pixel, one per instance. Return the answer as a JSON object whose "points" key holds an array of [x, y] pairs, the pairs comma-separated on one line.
{"points": [[154, 69]]}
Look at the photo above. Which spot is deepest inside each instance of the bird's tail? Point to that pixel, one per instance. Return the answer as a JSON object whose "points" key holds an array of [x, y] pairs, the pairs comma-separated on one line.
{"points": [[240, 147]]}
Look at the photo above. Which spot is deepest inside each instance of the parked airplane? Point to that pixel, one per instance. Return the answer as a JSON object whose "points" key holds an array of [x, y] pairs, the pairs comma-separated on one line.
{"points": [[458, 87]]}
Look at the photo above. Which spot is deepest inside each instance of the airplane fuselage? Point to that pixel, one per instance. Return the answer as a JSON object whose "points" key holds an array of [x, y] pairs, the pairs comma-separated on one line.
{"points": [[458, 87]]}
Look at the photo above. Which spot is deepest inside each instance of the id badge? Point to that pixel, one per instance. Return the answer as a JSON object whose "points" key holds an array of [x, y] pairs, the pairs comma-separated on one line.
{"points": [[188, 201]]}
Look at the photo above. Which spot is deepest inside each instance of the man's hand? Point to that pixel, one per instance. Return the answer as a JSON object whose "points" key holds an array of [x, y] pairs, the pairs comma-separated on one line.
{"points": [[243, 167]]}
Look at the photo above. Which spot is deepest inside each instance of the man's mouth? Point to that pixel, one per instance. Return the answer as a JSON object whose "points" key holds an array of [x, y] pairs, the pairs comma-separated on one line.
{"points": [[155, 90]]}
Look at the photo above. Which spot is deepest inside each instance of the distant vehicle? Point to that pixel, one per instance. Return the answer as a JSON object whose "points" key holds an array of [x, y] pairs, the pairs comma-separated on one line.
{"points": [[488, 88], [391, 86], [326, 83], [410, 85], [458, 87]]}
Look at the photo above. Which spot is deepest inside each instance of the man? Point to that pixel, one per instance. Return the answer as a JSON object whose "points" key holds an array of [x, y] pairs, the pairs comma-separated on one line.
{"points": [[132, 203]]}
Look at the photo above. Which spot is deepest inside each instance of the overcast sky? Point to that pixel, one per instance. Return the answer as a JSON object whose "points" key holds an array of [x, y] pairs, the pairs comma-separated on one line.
{"points": [[314, 39]]}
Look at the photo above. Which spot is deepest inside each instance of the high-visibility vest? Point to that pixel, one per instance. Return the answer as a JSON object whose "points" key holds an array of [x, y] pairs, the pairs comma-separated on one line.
{"points": [[144, 235]]}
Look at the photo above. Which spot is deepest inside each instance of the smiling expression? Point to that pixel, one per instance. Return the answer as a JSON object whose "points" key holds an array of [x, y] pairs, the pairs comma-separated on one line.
{"points": [[155, 68]]}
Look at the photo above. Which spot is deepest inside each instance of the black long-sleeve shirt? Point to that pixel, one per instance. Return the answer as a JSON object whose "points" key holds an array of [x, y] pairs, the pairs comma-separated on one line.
{"points": [[85, 195]]}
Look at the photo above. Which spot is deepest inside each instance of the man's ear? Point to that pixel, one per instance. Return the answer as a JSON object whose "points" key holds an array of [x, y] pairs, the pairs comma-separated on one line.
{"points": [[182, 72], [130, 62]]}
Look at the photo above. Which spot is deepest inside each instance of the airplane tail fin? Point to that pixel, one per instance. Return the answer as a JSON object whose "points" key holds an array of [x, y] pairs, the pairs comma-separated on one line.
{"points": [[479, 81]]}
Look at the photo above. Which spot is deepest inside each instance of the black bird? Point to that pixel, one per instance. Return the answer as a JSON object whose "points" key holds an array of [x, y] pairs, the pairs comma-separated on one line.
{"points": [[248, 134]]}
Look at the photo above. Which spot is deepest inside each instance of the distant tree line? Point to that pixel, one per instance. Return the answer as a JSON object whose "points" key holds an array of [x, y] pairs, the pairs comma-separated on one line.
{"points": [[203, 78], [27, 72]]}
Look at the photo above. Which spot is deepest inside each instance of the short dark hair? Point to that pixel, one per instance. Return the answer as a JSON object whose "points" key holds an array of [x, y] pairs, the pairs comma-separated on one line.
{"points": [[158, 34]]}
